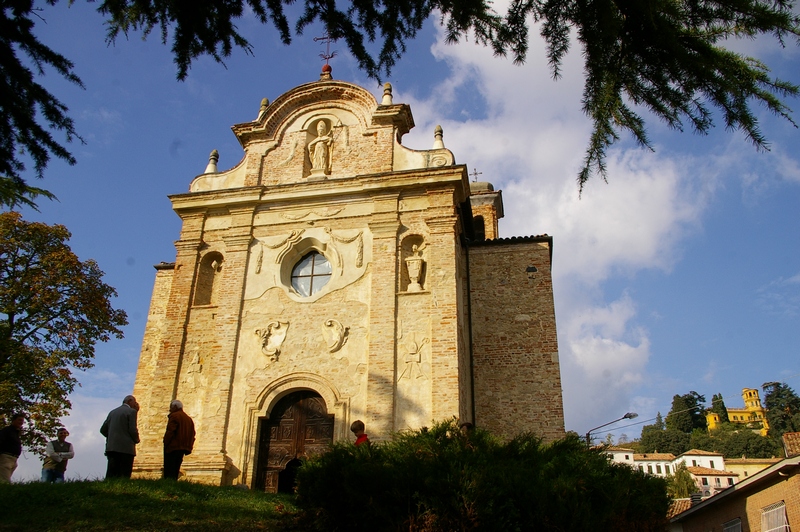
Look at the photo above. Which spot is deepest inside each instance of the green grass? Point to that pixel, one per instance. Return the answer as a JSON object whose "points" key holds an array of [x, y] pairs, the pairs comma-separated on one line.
{"points": [[142, 505]]}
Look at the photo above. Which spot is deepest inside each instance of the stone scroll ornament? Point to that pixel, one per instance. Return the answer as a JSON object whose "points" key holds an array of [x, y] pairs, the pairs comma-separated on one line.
{"points": [[335, 334], [272, 337]]}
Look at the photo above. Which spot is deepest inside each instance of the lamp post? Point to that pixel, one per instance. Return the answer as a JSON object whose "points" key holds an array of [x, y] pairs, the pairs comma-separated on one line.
{"points": [[629, 415]]}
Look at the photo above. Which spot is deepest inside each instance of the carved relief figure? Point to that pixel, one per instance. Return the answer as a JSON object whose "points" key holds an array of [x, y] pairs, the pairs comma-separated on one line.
{"points": [[272, 337], [413, 369], [319, 150]]}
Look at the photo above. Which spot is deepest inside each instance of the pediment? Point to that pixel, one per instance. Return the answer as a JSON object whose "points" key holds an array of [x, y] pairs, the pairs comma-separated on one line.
{"points": [[319, 131]]}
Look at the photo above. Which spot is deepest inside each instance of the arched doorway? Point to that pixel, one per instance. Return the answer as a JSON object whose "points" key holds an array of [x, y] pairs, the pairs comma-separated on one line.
{"points": [[298, 426]]}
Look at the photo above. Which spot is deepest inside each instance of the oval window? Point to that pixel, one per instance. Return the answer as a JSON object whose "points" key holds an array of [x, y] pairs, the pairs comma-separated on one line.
{"points": [[311, 273]]}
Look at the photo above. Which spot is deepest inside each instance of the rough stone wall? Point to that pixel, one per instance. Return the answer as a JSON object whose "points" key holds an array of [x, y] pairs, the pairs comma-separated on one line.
{"points": [[517, 379]]}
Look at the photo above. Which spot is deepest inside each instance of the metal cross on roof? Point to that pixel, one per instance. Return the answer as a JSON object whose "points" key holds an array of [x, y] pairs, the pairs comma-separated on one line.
{"points": [[327, 55], [475, 175]]}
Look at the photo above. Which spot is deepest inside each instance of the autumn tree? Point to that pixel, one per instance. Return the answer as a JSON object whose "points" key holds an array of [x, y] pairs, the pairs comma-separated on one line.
{"points": [[783, 408], [54, 308], [667, 57]]}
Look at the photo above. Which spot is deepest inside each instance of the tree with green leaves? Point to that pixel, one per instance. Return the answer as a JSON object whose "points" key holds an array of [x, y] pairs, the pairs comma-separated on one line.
{"points": [[783, 408], [734, 441], [687, 413], [664, 441], [667, 57], [54, 308], [680, 484]]}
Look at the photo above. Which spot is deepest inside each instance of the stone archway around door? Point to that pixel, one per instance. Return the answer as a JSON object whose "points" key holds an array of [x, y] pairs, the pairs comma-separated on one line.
{"points": [[298, 426]]}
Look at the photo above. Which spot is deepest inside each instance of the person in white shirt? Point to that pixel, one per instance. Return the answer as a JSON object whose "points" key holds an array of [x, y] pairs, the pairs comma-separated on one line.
{"points": [[57, 453]]}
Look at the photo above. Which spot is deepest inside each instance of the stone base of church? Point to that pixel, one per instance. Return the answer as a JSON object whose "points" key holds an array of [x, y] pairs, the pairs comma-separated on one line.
{"points": [[217, 472]]}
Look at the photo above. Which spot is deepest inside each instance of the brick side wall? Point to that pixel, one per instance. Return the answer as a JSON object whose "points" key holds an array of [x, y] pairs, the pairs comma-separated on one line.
{"points": [[515, 348], [747, 506]]}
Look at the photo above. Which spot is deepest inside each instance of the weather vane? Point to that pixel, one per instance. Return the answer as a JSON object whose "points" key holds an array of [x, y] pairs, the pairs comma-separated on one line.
{"points": [[327, 55], [475, 175]]}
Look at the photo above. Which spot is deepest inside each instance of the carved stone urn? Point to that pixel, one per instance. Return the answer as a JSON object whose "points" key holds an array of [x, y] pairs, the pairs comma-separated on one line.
{"points": [[414, 267]]}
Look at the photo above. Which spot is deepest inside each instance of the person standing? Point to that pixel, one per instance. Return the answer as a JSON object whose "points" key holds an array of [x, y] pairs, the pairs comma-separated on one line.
{"points": [[121, 435], [10, 447], [57, 453], [178, 439]]}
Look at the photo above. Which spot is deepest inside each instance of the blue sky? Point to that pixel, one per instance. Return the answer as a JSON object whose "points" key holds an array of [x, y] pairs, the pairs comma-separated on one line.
{"points": [[681, 273]]}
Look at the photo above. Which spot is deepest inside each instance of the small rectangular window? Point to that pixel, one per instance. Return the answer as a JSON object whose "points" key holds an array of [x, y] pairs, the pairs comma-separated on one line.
{"points": [[734, 525], [666, 467], [730, 482], [650, 469], [658, 469], [641, 468], [705, 481], [712, 464], [694, 463], [627, 457], [717, 481]]}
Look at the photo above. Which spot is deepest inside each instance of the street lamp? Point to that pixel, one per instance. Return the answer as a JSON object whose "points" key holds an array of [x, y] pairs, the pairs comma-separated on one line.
{"points": [[629, 415]]}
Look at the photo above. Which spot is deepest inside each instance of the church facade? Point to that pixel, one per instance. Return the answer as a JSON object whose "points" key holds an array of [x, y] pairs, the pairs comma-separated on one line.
{"points": [[333, 275]]}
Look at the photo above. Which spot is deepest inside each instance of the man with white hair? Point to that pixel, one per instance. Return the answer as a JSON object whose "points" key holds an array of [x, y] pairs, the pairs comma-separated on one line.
{"points": [[178, 439], [122, 435]]}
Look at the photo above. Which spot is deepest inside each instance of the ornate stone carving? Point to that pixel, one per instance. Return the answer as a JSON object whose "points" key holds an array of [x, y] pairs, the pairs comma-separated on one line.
{"points": [[292, 151], [327, 212], [414, 263], [260, 259], [358, 238], [335, 334], [272, 337], [319, 150], [413, 359], [284, 243]]}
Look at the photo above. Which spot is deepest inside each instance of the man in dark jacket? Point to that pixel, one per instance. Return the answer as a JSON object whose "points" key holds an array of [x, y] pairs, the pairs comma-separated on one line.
{"points": [[10, 447], [178, 439], [122, 435]]}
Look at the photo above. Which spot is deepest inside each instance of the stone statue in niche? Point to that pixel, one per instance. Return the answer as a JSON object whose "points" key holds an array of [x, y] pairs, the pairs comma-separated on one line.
{"points": [[414, 264], [272, 337], [319, 150]]}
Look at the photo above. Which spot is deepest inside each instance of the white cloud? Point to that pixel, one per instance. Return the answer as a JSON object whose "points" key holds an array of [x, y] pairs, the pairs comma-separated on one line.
{"points": [[530, 143]]}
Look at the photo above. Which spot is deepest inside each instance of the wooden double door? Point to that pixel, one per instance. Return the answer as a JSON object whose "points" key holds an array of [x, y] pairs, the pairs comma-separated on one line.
{"points": [[299, 426]]}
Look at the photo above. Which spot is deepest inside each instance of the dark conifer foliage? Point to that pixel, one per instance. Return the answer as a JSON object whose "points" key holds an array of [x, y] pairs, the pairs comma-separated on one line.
{"points": [[783, 408], [666, 57]]}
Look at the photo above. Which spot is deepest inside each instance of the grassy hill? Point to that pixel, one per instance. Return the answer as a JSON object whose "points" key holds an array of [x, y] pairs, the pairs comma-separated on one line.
{"points": [[142, 505]]}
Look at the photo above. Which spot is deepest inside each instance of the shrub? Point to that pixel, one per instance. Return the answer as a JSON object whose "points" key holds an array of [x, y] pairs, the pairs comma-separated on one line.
{"points": [[438, 479]]}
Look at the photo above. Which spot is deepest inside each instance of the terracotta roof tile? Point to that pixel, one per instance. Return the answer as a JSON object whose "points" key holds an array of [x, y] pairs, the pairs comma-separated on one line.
{"points": [[678, 506], [696, 470], [701, 453], [659, 457]]}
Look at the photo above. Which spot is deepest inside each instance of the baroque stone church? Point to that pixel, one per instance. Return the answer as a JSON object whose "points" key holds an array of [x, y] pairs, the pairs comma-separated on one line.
{"points": [[333, 275]]}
